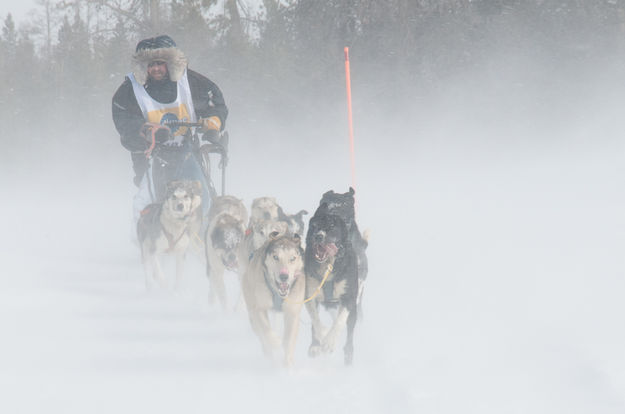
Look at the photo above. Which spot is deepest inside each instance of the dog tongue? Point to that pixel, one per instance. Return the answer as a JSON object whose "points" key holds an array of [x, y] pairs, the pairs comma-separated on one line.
{"points": [[331, 249], [322, 251]]}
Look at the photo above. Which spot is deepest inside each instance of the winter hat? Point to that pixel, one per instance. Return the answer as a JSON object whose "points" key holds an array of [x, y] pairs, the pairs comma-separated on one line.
{"points": [[158, 48]]}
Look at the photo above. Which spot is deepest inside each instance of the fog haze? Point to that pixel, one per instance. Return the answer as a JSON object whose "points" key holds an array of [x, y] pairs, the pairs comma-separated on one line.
{"points": [[492, 190], [18, 9]]}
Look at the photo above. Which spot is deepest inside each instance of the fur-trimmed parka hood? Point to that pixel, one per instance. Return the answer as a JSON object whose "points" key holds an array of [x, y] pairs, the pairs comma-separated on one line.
{"points": [[176, 62]]}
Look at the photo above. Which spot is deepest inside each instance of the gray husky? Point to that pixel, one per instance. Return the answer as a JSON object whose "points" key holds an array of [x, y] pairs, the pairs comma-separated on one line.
{"points": [[226, 230], [264, 220], [168, 228]]}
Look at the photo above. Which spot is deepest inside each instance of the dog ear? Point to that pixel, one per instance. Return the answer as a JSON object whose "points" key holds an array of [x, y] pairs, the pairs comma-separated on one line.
{"points": [[323, 209], [171, 186], [297, 239], [281, 214], [327, 195], [196, 201], [352, 191], [196, 187]]}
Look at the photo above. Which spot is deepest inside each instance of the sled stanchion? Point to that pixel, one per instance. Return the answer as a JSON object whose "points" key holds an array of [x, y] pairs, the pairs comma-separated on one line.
{"points": [[224, 161], [223, 180], [349, 117], [203, 151]]}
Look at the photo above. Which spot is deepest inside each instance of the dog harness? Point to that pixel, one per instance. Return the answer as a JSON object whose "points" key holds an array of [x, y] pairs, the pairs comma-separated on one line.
{"points": [[328, 293], [170, 239], [152, 213]]}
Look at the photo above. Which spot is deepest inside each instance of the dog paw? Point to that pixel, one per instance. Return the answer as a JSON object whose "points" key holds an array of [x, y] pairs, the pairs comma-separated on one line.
{"points": [[288, 362], [348, 359], [149, 283], [212, 298], [274, 340], [239, 307], [348, 350], [314, 350], [271, 350], [328, 343], [160, 280]]}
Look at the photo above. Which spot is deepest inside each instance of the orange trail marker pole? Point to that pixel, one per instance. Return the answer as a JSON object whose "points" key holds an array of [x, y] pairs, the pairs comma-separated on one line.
{"points": [[349, 118]]}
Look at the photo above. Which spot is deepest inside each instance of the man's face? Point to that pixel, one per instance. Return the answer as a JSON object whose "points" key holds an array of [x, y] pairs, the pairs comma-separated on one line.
{"points": [[157, 70]]}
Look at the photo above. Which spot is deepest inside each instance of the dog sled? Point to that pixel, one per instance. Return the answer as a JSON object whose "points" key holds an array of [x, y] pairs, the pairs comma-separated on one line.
{"points": [[170, 163]]}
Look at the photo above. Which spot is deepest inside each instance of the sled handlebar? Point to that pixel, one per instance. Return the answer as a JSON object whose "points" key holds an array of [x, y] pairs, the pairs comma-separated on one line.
{"points": [[183, 124], [216, 147], [219, 146]]}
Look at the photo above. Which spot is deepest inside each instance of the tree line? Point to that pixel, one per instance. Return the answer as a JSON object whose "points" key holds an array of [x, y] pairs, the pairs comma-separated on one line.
{"points": [[67, 59]]}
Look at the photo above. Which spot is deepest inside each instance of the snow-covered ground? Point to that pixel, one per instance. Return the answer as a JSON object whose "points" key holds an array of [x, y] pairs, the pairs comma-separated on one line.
{"points": [[496, 281]]}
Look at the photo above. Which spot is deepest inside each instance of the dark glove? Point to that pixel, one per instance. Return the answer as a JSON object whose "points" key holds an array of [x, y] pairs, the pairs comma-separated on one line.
{"points": [[212, 135], [161, 132], [161, 135], [137, 180]]}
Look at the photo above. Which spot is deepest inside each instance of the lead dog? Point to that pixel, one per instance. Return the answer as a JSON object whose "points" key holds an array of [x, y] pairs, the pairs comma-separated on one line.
{"points": [[275, 281], [342, 205], [167, 228], [331, 268], [224, 234]]}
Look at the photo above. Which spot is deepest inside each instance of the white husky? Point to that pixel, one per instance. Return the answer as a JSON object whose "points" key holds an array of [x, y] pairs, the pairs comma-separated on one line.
{"points": [[275, 281]]}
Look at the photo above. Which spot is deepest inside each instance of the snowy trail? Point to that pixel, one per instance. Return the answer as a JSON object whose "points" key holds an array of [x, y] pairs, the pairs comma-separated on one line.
{"points": [[81, 334], [97, 342], [495, 287]]}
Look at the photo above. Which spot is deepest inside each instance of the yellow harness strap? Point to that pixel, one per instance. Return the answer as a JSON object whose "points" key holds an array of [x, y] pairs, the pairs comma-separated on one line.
{"points": [[323, 281]]}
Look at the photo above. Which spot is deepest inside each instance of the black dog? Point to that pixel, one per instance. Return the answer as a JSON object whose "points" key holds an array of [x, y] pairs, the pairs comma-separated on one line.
{"points": [[331, 268], [342, 205]]}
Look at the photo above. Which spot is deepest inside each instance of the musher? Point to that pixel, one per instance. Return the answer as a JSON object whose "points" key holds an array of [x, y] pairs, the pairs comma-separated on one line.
{"points": [[161, 89]]}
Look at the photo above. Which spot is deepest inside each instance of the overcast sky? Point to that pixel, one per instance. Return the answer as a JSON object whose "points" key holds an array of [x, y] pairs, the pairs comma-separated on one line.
{"points": [[18, 8]]}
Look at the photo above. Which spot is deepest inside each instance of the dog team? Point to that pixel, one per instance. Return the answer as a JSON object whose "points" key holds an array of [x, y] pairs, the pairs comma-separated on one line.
{"points": [[277, 270]]}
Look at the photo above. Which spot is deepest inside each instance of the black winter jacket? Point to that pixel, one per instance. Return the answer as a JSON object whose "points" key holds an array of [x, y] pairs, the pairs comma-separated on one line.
{"points": [[128, 118]]}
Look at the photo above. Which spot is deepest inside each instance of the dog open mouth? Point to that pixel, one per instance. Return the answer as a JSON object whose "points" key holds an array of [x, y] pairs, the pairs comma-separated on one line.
{"points": [[229, 260], [230, 264], [283, 288], [324, 250]]}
